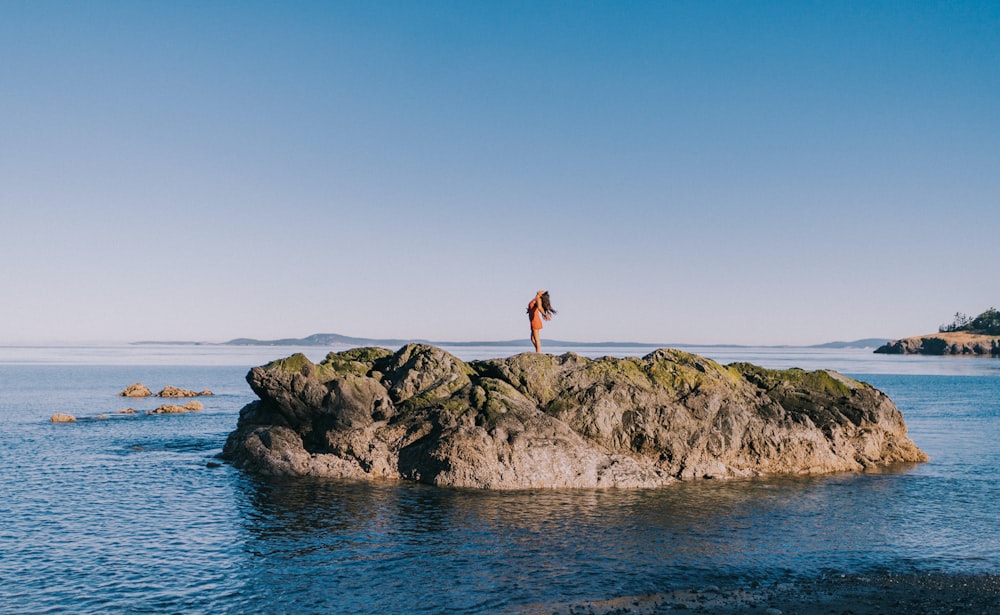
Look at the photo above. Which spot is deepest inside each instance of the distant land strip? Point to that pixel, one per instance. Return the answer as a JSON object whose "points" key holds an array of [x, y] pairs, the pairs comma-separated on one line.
{"points": [[335, 339]]}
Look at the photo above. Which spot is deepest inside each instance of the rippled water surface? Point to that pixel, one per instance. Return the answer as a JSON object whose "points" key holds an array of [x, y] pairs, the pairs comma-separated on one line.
{"points": [[134, 513]]}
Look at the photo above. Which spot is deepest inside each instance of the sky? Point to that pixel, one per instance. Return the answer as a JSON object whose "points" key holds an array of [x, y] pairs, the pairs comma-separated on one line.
{"points": [[672, 172]]}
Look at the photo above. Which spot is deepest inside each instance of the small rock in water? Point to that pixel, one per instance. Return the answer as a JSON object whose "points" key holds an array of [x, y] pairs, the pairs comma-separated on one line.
{"points": [[136, 390], [178, 392], [191, 406], [62, 418], [126, 411]]}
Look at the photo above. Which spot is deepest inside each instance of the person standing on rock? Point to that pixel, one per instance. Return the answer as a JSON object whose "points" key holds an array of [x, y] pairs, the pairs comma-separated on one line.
{"points": [[540, 307]]}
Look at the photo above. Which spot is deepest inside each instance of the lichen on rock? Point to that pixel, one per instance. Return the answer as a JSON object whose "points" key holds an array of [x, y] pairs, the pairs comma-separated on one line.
{"points": [[535, 420]]}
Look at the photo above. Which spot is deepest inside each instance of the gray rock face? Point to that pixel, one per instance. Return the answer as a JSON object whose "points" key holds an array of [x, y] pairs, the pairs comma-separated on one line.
{"points": [[535, 420]]}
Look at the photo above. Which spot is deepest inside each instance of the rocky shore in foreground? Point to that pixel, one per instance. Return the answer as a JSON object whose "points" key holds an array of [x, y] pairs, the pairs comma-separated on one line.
{"points": [[836, 594], [960, 343], [542, 421]]}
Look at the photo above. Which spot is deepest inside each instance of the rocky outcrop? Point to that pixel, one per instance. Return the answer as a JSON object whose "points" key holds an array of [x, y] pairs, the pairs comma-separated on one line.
{"points": [[191, 406], [952, 343], [136, 390], [537, 420], [170, 391], [140, 390]]}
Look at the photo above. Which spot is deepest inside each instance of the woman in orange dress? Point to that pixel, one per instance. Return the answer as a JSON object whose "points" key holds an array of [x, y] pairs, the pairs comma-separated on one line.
{"points": [[540, 307]]}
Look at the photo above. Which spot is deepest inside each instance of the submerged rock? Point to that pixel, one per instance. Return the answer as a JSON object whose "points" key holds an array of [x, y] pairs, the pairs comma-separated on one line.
{"points": [[535, 420]]}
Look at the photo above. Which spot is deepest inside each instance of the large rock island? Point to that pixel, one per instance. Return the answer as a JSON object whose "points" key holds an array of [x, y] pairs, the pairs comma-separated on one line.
{"points": [[535, 420]]}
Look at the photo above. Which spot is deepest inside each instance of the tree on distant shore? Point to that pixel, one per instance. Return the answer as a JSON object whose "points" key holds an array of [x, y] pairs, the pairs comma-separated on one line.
{"points": [[987, 323], [959, 324]]}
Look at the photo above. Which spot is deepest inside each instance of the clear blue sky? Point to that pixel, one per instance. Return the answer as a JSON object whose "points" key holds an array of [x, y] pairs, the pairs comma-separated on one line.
{"points": [[677, 172]]}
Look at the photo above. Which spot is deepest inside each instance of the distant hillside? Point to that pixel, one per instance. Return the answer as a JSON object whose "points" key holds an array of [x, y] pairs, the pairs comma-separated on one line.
{"points": [[868, 342], [320, 339]]}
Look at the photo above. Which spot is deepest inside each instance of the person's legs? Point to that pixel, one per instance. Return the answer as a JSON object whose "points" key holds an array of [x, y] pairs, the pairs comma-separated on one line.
{"points": [[536, 340]]}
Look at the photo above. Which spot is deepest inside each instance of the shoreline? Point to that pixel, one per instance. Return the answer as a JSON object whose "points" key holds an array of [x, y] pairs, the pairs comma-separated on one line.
{"points": [[857, 594], [953, 343]]}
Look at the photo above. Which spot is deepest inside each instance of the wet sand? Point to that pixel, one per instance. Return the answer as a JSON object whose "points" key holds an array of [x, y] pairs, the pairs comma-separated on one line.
{"points": [[924, 593]]}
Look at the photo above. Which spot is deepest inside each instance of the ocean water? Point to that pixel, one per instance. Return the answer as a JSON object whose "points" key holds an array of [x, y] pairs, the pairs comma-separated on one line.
{"points": [[135, 514]]}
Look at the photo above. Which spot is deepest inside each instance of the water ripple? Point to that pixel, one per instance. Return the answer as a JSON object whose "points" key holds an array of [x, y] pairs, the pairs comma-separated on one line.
{"points": [[124, 516]]}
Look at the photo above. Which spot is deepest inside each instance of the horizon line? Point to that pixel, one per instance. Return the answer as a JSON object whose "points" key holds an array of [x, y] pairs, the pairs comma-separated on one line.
{"points": [[332, 339]]}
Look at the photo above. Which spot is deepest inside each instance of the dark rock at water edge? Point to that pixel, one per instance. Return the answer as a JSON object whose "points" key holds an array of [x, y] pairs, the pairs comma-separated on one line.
{"points": [[941, 344], [535, 420]]}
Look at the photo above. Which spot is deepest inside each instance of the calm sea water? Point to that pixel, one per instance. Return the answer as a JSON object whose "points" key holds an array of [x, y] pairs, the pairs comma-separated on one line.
{"points": [[134, 513]]}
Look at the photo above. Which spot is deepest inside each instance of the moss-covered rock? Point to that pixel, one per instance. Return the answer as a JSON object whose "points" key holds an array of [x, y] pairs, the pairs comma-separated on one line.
{"points": [[535, 420]]}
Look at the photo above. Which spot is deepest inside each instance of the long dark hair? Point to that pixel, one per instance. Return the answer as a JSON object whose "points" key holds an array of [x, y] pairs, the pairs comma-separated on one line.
{"points": [[547, 304]]}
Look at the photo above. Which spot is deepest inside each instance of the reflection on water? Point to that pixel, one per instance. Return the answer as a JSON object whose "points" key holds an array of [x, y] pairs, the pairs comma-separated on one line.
{"points": [[361, 547]]}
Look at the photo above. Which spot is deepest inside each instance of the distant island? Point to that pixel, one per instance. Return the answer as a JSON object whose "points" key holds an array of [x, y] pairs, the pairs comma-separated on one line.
{"points": [[868, 342], [336, 339], [979, 337]]}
